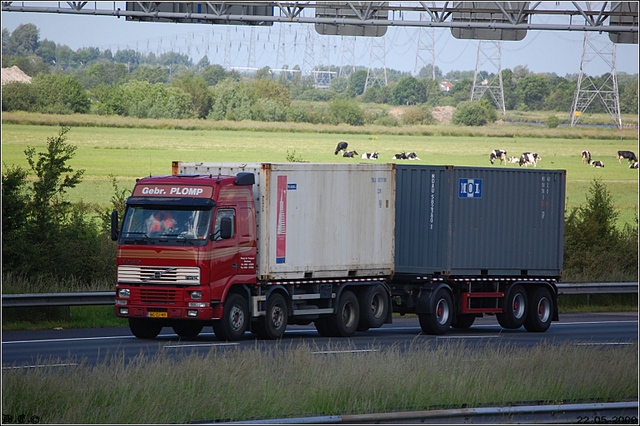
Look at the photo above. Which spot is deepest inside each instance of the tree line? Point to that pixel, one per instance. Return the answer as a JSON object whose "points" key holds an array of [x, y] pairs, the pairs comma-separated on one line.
{"points": [[129, 83]]}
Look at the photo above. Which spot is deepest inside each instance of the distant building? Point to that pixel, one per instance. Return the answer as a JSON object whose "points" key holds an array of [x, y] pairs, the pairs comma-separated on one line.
{"points": [[14, 74], [445, 86]]}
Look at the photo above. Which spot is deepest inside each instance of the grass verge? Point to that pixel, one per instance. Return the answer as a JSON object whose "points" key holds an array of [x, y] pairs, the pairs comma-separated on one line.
{"points": [[301, 380]]}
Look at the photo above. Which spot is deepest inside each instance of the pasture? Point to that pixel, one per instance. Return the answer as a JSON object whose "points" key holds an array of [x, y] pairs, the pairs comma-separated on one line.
{"points": [[130, 153]]}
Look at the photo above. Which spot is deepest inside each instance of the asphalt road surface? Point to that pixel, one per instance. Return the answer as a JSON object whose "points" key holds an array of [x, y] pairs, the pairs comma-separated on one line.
{"points": [[26, 349]]}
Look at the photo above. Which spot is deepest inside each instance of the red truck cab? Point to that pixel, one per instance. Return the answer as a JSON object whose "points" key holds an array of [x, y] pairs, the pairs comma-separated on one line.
{"points": [[183, 243]]}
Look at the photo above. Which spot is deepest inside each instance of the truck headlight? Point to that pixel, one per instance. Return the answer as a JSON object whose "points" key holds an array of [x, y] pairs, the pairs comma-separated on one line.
{"points": [[124, 293], [196, 295]]}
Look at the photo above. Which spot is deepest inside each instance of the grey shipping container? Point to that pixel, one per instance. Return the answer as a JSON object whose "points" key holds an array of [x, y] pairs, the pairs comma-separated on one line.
{"points": [[478, 221]]}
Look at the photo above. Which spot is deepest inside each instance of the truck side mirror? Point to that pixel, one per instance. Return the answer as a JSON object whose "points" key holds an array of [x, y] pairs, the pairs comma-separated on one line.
{"points": [[114, 225], [225, 228]]}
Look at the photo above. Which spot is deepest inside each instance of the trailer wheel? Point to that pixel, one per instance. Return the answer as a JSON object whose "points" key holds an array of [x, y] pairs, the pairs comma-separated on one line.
{"points": [[273, 324], [439, 320], [345, 321], [188, 329], [463, 321], [540, 312], [373, 307], [514, 309], [144, 328], [235, 318]]}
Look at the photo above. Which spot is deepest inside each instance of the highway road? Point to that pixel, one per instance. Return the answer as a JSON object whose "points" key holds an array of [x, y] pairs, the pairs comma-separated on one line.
{"points": [[30, 348]]}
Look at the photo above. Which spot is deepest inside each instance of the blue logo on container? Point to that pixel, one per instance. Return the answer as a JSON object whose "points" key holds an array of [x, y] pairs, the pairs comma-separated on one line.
{"points": [[292, 186], [470, 188]]}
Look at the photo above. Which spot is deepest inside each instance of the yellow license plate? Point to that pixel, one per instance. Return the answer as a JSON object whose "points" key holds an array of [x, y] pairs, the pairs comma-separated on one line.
{"points": [[157, 314]]}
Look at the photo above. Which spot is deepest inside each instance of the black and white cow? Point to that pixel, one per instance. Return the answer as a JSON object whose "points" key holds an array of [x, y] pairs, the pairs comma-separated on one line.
{"points": [[586, 157], [528, 158], [350, 154], [500, 154], [513, 160], [634, 165], [402, 156], [370, 156], [597, 164], [628, 155], [412, 156], [342, 146]]}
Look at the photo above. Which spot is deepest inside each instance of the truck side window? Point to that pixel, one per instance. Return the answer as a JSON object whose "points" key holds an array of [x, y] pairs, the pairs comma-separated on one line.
{"points": [[230, 213]]}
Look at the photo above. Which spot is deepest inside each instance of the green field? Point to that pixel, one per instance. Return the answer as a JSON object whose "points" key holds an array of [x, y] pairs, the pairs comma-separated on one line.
{"points": [[130, 153]]}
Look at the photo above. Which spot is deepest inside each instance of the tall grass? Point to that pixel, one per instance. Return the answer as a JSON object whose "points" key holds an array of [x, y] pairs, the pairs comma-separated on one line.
{"points": [[305, 380]]}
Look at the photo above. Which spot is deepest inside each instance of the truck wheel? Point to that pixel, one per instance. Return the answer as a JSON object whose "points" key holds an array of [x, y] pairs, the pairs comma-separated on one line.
{"points": [[540, 312], [463, 321], [188, 329], [439, 320], [235, 318], [345, 321], [514, 309], [144, 328], [323, 327], [373, 307], [273, 324]]}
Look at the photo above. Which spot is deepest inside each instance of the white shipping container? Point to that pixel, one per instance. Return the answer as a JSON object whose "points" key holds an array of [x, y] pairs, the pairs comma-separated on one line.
{"points": [[319, 220]]}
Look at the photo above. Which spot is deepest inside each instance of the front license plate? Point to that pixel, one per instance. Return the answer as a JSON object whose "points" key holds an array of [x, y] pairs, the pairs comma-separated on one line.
{"points": [[157, 314]]}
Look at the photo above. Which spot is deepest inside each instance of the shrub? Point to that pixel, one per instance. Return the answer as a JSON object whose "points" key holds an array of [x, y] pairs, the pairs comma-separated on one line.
{"points": [[418, 115], [346, 111], [594, 249], [552, 121], [476, 113]]}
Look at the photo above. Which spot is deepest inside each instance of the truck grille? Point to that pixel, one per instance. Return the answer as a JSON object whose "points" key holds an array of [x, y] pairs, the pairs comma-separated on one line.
{"points": [[158, 275], [158, 296]]}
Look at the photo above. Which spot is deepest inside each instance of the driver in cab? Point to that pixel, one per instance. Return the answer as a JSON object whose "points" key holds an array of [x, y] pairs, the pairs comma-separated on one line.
{"points": [[161, 222]]}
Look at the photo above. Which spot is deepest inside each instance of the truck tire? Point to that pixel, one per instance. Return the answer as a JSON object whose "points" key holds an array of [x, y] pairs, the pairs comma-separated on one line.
{"points": [[344, 322], [439, 320], [144, 328], [463, 321], [514, 308], [235, 319], [373, 307], [540, 311], [273, 324], [188, 328], [323, 327]]}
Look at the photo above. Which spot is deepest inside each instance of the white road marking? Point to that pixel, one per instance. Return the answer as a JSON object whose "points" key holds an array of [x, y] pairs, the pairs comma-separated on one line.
{"points": [[344, 352], [475, 336], [605, 343], [200, 345], [41, 366]]}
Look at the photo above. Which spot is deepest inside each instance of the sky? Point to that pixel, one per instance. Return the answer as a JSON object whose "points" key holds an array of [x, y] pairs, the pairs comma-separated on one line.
{"points": [[558, 52]]}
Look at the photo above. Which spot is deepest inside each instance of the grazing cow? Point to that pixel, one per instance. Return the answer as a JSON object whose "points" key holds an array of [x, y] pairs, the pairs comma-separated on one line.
{"points": [[528, 158], [500, 154], [597, 164], [342, 146], [513, 160], [634, 165], [628, 155], [586, 157], [402, 156], [350, 154], [412, 156], [370, 156]]}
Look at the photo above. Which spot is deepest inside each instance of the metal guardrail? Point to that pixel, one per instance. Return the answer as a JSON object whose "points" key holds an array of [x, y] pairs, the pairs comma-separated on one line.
{"points": [[108, 297], [611, 412], [597, 288]]}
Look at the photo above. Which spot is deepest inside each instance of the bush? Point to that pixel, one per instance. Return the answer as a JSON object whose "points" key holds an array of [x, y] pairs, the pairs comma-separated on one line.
{"points": [[269, 110], [594, 250], [19, 97], [418, 115], [346, 111], [60, 94], [552, 121], [476, 113]]}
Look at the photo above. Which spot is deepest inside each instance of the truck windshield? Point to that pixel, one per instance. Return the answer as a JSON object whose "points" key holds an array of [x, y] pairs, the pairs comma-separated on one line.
{"points": [[153, 222]]}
